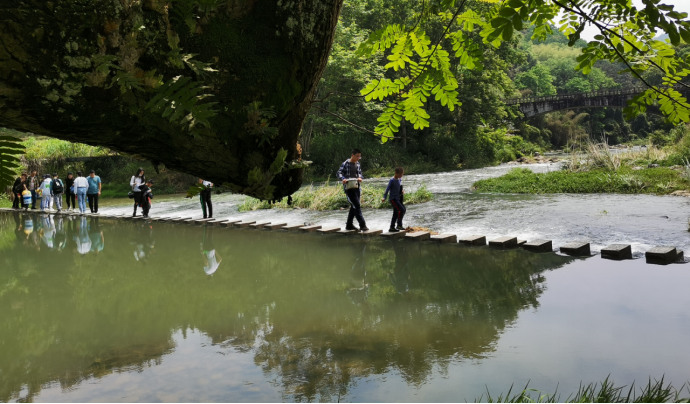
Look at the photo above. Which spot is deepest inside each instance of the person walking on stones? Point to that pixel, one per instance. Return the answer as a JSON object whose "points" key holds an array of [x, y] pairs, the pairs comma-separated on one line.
{"points": [[70, 197], [94, 190], [32, 184], [81, 185], [57, 187], [205, 198], [350, 173], [137, 180], [17, 189], [395, 192]]}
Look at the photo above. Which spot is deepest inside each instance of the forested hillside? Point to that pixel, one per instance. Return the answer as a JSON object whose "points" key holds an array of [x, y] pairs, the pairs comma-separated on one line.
{"points": [[483, 130]]}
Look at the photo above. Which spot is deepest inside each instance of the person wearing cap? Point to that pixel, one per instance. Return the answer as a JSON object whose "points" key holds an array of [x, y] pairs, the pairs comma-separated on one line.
{"points": [[146, 196], [57, 188], [94, 190], [70, 196]]}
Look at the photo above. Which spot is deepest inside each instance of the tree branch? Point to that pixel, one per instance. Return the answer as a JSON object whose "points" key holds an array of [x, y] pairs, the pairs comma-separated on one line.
{"points": [[350, 123]]}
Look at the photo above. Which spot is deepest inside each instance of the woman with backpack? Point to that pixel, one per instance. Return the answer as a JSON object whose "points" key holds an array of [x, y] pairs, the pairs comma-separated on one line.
{"points": [[58, 188], [137, 180], [17, 189]]}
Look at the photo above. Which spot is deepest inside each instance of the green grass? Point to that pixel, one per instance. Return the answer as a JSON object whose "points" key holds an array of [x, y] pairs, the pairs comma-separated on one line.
{"points": [[121, 190], [55, 149], [332, 197], [604, 392], [5, 201], [659, 181]]}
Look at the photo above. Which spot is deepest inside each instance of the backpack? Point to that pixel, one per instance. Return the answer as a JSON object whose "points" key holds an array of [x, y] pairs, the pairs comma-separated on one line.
{"points": [[57, 186]]}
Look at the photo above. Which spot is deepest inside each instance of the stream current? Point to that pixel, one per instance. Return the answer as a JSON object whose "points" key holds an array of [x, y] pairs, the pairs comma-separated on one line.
{"points": [[95, 309]]}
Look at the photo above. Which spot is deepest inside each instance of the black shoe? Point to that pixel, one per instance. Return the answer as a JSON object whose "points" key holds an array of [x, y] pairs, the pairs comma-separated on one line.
{"points": [[400, 228], [393, 230], [363, 228], [350, 227]]}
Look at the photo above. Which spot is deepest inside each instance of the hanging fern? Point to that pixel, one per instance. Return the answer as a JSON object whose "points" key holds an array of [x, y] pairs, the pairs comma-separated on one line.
{"points": [[178, 100], [10, 150]]}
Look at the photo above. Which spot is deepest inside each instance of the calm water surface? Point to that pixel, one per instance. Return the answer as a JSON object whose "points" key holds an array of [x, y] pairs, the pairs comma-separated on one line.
{"points": [[103, 310]]}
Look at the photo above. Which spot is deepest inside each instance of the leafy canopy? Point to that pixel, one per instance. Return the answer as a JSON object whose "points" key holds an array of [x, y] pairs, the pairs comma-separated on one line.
{"points": [[420, 67]]}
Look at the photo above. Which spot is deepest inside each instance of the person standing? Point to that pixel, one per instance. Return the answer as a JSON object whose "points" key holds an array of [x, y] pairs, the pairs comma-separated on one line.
{"points": [[45, 193], [17, 189], [94, 190], [350, 173], [57, 188], [70, 196], [81, 185], [146, 195], [32, 184], [395, 192], [137, 180], [205, 198]]}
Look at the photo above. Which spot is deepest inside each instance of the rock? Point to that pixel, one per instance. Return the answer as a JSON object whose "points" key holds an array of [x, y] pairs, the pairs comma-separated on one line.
{"points": [[653, 166], [681, 193], [637, 168], [537, 154]]}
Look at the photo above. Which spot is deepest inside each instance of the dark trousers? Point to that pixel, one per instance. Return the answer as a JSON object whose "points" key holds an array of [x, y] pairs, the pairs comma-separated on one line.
{"points": [[93, 202], [398, 212], [71, 200], [34, 196], [17, 201], [206, 204], [145, 207], [353, 196]]}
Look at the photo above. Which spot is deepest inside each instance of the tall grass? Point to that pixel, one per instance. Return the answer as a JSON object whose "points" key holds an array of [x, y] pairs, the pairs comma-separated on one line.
{"points": [[331, 197], [55, 149], [604, 392], [598, 155]]}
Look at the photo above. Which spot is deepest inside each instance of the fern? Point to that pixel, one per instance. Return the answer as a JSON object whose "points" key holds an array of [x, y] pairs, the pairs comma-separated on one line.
{"points": [[178, 101], [10, 150], [126, 81], [258, 122]]}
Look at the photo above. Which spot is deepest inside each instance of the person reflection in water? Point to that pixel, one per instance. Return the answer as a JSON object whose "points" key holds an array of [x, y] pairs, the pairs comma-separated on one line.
{"points": [[60, 234], [96, 235], [145, 243], [358, 274], [400, 276], [47, 231], [82, 237], [212, 259]]}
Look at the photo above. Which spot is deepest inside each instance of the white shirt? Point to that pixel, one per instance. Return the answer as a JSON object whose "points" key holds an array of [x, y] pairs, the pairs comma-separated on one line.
{"points": [[212, 262], [207, 184], [81, 182], [134, 183]]}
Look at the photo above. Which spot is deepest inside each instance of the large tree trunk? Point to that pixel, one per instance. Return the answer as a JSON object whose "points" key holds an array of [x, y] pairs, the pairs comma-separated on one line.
{"points": [[55, 79]]}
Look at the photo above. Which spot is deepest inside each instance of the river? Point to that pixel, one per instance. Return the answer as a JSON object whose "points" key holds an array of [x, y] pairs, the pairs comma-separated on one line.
{"points": [[97, 309]]}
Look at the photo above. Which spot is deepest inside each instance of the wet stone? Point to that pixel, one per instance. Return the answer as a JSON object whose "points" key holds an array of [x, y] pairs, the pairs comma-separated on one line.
{"points": [[347, 232], [292, 227], [371, 232], [617, 252], [521, 242], [576, 248], [473, 240], [538, 246], [445, 238], [310, 229], [504, 242], [328, 230], [244, 224], [259, 225], [230, 223], [275, 226], [397, 234], [418, 236], [661, 255]]}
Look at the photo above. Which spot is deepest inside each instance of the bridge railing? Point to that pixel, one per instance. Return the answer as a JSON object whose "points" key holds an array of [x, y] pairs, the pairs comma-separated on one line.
{"points": [[574, 96]]}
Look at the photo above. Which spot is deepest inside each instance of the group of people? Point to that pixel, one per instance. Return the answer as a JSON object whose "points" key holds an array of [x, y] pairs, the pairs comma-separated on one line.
{"points": [[350, 173], [49, 189]]}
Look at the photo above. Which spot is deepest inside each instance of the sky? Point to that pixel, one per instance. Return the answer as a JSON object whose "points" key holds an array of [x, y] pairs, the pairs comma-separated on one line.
{"points": [[679, 5]]}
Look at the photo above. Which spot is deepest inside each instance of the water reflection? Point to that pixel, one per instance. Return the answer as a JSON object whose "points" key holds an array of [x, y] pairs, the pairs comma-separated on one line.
{"points": [[316, 312]]}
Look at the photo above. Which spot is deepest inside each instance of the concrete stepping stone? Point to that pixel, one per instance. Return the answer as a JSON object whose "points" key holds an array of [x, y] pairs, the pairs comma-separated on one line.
{"points": [[473, 240], [617, 252], [310, 229], [292, 227], [576, 248], [276, 226], [418, 236], [244, 224], [259, 225], [218, 222], [662, 255], [521, 242], [445, 238], [371, 232], [538, 246], [178, 220], [203, 220], [393, 235], [347, 232], [328, 230], [504, 242]]}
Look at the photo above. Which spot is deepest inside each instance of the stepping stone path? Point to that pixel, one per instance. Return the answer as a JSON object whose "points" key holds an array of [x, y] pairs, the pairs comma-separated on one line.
{"points": [[445, 238], [292, 227], [617, 252], [393, 235], [275, 226], [418, 236], [663, 255], [328, 230], [539, 246], [370, 232], [473, 240], [310, 229], [504, 242]]}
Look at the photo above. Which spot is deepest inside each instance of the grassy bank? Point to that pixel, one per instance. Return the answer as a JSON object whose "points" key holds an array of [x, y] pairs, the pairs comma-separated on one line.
{"points": [[331, 197], [659, 181], [599, 170]]}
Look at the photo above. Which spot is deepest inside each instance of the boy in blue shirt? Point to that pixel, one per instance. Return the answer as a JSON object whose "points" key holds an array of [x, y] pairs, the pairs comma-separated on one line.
{"points": [[94, 191], [395, 192]]}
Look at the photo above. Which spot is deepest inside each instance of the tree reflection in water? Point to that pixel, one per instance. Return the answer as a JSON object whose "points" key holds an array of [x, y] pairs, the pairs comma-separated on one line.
{"points": [[317, 312]]}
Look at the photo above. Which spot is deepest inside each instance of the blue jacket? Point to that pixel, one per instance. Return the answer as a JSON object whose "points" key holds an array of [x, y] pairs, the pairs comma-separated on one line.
{"points": [[394, 188]]}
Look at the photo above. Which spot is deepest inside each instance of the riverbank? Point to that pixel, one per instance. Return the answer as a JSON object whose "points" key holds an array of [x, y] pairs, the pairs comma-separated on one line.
{"points": [[331, 197]]}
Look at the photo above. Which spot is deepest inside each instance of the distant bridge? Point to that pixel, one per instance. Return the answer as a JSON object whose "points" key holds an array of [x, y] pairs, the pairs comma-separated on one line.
{"points": [[535, 106]]}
